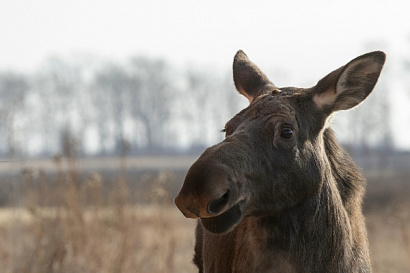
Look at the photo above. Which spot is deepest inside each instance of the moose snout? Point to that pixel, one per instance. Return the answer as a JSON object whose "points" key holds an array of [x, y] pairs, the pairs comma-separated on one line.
{"points": [[192, 209], [216, 206], [207, 191]]}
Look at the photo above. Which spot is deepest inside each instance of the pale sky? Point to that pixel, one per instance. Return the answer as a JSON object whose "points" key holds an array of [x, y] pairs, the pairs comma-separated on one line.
{"points": [[306, 39], [286, 33]]}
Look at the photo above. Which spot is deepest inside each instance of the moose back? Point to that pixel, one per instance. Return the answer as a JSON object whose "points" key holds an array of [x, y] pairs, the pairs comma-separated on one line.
{"points": [[279, 194]]}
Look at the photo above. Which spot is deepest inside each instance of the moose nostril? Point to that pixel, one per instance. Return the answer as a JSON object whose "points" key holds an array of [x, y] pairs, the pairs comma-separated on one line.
{"points": [[217, 205]]}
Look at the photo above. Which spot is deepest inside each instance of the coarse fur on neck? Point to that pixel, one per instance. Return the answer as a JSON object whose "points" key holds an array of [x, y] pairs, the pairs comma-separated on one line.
{"points": [[320, 229]]}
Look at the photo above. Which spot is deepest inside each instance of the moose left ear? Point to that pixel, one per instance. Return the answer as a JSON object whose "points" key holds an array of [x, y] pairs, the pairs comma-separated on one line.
{"points": [[349, 85], [248, 78]]}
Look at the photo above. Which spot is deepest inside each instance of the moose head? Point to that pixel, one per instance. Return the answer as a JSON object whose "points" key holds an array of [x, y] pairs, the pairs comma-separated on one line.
{"points": [[273, 157]]}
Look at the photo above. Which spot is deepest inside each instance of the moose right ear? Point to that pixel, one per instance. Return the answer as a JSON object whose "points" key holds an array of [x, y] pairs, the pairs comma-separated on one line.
{"points": [[349, 85], [249, 79]]}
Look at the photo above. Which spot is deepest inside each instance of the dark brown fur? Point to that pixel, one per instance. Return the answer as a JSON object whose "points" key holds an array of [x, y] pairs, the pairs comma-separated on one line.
{"points": [[279, 194]]}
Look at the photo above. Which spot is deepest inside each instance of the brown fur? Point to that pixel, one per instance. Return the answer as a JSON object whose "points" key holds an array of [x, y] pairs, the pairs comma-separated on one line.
{"points": [[279, 194]]}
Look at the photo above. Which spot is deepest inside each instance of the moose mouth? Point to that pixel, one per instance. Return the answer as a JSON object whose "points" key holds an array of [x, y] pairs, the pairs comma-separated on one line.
{"points": [[225, 221]]}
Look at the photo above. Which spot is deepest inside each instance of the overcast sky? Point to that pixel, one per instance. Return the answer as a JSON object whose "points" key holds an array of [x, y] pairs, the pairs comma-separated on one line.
{"points": [[288, 33], [305, 39]]}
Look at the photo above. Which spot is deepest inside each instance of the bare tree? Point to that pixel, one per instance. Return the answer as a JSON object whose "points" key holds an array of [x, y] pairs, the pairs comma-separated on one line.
{"points": [[110, 95], [13, 89], [55, 91], [152, 100]]}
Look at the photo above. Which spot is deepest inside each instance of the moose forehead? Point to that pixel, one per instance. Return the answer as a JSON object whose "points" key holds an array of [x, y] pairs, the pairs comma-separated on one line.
{"points": [[280, 106]]}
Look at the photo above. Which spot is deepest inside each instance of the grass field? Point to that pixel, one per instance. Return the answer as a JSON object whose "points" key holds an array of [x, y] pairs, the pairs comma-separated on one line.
{"points": [[78, 220], [127, 239]]}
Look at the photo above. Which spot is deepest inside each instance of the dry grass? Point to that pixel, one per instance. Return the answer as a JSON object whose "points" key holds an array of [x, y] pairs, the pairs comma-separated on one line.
{"points": [[67, 224], [389, 238], [127, 239]]}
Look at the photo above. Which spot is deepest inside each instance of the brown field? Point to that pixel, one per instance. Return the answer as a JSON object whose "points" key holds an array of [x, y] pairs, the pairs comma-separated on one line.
{"points": [[79, 219]]}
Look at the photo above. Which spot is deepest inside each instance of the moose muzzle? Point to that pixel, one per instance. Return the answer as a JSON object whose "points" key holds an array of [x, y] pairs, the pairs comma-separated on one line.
{"points": [[208, 190]]}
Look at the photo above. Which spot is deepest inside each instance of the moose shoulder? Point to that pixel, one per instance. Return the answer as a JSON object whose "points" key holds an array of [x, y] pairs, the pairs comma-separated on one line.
{"points": [[279, 194]]}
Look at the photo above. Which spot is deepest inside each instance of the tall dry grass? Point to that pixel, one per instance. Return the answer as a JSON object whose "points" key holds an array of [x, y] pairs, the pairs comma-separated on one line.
{"points": [[65, 224], [72, 222]]}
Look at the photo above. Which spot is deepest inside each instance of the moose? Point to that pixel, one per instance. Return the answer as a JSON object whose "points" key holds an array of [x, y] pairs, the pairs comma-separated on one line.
{"points": [[279, 194]]}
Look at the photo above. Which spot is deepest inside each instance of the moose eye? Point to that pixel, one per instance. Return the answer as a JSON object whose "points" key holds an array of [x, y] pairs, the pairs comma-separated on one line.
{"points": [[224, 131], [286, 133]]}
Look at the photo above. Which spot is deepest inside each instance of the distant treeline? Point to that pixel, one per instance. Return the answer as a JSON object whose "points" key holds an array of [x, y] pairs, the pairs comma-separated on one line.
{"points": [[141, 106], [93, 108]]}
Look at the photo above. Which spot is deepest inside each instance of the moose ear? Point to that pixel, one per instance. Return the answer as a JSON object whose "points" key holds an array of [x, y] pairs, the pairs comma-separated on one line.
{"points": [[249, 79], [349, 85]]}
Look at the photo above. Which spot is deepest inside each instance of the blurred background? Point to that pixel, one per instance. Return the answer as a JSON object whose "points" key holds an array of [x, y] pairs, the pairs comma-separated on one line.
{"points": [[105, 104]]}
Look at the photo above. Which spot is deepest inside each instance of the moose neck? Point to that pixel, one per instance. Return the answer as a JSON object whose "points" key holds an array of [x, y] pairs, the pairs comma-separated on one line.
{"points": [[323, 233]]}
